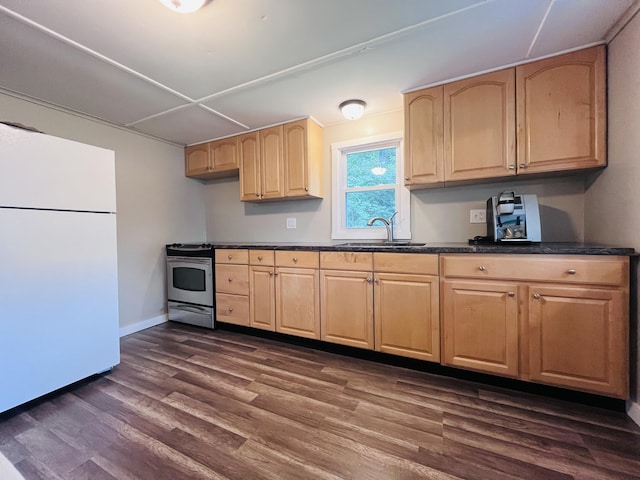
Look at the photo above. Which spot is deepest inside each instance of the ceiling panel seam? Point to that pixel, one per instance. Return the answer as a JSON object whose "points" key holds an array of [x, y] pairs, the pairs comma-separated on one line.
{"points": [[539, 30]]}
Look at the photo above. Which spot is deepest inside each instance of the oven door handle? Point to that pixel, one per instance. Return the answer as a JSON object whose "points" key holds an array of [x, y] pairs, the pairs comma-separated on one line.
{"points": [[191, 308]]}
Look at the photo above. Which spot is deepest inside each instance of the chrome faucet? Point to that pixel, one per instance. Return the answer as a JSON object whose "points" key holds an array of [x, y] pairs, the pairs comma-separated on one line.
{"points": [[388, 224]]}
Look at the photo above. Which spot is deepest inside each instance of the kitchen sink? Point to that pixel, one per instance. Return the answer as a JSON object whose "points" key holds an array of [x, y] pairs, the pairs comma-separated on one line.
{"points": [[385, 244]]}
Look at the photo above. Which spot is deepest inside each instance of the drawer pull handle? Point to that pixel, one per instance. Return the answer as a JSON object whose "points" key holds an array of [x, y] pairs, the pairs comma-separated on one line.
{"points": [[229, 257], [511, 294], [512, 167], [536, 296], [295, 260], [259, 258], [482, 268], [522, 165], [571, 271]]}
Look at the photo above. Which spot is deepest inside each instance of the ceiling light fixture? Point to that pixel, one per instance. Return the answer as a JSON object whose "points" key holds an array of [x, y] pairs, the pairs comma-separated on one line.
{"points": [[183, 6], [352, 109]]}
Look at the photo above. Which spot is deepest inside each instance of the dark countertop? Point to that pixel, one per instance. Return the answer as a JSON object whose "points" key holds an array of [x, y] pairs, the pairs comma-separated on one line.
{"points": [[534, 248]]}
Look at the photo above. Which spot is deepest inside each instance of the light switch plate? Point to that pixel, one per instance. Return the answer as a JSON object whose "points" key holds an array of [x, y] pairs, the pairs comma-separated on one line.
{"points": [[291, 222]]}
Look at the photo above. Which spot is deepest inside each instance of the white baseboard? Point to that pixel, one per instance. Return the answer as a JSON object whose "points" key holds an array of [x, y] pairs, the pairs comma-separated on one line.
{"points": [[148, 323], [633, 410]]}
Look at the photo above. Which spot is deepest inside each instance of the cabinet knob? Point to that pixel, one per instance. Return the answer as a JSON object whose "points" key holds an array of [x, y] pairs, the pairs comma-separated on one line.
{"points": [[522, 165], [482, 268], [229, 257], [512, 167], [377, 281], [259, 258], [407, 178], [229, 279], [511, 294], [230, 309], [571, 271], [271, 274], [306, 189], [368, 279], [258, 195], [536, 296], [295, 260]]}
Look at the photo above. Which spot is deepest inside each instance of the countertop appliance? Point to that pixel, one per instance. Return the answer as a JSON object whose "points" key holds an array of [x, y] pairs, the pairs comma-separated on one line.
{"points": [[58, 264], [513, 218], [190, 284]]}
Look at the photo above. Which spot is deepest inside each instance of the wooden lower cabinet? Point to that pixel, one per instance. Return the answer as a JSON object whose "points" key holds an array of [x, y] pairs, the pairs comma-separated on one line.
{"points": [[407, 315], [262, 298], [552, 319], [578, 338], [347, 308], [480, 326], [298, 302]]}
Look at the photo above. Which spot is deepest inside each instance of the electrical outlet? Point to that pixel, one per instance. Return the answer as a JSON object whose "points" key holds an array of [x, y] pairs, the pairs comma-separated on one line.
{"points": [[291, 222], [477, 216]]}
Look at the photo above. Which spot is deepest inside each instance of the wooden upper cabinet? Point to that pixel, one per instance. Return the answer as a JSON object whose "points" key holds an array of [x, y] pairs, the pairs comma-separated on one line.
{"points": [[562, 112], [423, 128], [479, 127], [271, 164], [224, 154], [302, 148], [216, 159], [196, 160], [249, 158]]}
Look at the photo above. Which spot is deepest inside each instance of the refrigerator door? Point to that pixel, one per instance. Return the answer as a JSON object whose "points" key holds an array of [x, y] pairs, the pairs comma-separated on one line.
{"points": [[58, 300], [41, 171]]}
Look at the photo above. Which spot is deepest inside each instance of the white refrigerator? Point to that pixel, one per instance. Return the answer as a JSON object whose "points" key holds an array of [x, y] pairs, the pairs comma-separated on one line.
{"points": [[58, 264]]}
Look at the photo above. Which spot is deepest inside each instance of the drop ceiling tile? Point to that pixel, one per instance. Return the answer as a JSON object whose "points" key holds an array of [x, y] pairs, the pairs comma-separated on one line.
{"points": [[37, 65], [188, 125], [573, 27], [228, 42]]}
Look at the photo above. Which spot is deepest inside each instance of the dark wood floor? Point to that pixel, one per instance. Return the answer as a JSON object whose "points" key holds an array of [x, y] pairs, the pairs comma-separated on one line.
{"points": [[187, 403]]}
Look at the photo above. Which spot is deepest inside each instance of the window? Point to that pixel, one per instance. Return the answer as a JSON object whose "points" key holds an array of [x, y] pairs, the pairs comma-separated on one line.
{"points": [[367, 183]]}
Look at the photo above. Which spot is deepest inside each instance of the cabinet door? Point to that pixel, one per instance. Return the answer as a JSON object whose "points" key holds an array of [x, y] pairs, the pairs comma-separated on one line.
{"points": [[423, 136], [271, 165], [479, 127], [196, 160], [298, 302], [578, 338], [262, 297], [480, 326], [346, 311], [562, 112], [224, 154], [249, 157], [407, 315], [296, 168]]}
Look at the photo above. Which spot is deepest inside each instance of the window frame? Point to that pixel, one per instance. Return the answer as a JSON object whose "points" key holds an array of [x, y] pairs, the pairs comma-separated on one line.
{"points": [[402, 221]]}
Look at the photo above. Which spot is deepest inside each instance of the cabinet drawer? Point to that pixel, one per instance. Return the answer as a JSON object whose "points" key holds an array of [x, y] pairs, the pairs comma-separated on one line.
{"points": [[550, 268], [355, 261], [232, 279], [297, 258], [261, 257], [232, 255], [425, 264], [232, 309]]}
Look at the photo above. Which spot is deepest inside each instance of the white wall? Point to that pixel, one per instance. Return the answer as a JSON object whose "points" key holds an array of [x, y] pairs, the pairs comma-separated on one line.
{"points": [[437, 215], [612, 200], [156, 203]]}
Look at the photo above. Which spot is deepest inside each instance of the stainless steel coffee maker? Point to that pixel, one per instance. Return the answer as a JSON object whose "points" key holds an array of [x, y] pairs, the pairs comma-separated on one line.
{"points": [[513, 218]]}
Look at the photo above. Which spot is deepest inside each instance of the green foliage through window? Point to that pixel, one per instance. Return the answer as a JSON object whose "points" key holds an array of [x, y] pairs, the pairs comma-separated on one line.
{"points": [[371, 186]]}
